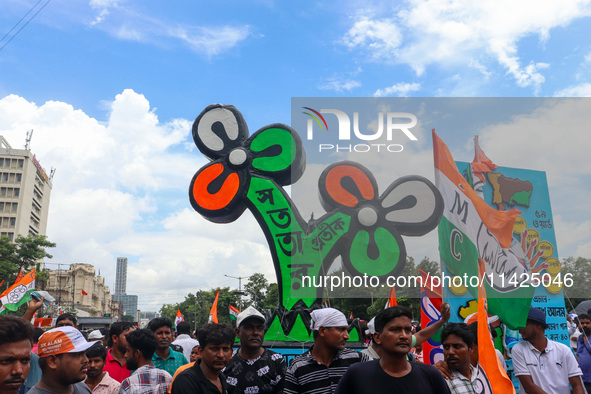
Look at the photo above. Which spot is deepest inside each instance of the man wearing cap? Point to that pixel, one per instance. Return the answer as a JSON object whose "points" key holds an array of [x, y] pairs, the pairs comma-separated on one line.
{"points": [[63, 362], [95, 336], [542, 365], [252, 368], [16, 335], [319, 370]]}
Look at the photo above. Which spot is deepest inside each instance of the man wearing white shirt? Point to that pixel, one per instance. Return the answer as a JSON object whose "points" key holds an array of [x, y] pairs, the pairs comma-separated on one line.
{"points": [[542, 365], [184, 339]]}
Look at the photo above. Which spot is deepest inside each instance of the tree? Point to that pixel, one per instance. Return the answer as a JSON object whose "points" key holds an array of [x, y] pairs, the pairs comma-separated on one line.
{"points": [[579, 270], [24, 253], [256, 289], [196, 307]]}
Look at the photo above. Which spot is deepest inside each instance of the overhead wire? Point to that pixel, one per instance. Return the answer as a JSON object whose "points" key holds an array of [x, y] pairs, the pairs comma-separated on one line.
{"points": [[23, 26]]}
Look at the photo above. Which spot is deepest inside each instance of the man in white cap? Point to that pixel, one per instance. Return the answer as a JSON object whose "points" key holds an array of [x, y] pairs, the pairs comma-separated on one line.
{"points": [[319, 370], [95, 335], [63, 362], [254, 369]]}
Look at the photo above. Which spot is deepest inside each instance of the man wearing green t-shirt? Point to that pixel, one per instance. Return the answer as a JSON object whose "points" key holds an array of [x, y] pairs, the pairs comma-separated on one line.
{"points": [[164, 357]]}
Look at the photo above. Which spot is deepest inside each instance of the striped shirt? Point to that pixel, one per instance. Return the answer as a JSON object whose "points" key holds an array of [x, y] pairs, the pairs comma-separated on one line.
{"points": [[306, 375], [146, 380]]}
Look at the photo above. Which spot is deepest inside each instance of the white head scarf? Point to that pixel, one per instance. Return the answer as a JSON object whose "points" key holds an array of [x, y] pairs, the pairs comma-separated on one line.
{"points": [[327, 317]]}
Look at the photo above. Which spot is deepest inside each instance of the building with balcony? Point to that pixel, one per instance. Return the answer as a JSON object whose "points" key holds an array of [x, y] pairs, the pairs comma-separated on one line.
{"points": [[25, 188], [78, 287]]}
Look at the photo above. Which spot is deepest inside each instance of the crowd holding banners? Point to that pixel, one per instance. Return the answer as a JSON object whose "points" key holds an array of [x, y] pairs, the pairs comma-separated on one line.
{"points": [[328, 366]]}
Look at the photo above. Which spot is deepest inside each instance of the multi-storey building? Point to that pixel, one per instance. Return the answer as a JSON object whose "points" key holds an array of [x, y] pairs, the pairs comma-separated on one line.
{"points": [[24, 193], [78, 287], [121, 276]]}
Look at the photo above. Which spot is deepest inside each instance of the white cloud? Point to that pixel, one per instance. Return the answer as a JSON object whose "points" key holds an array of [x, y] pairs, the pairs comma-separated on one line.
{"points": [[381, 36], [583, 90], [340, 85], [447, 32], [102, 6], [120, 189], [126, 23], [401, 89], [211, 41]]}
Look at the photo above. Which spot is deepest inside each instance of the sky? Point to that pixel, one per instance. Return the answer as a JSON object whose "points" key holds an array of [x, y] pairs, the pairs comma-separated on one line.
{"points": [[111, 88]]}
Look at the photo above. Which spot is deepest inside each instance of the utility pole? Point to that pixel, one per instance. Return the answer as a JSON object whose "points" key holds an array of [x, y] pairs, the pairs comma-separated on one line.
{"points": [[240, 293]]}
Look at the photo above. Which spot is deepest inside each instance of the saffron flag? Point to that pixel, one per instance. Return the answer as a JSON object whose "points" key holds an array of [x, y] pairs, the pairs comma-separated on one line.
{"points": [[19, 276], [470, 229], [480, 165], [213, 313], [179, 318], [487, 356], [19, 293], [351, 316], [233, 312], [391, 298], [430, 305]]}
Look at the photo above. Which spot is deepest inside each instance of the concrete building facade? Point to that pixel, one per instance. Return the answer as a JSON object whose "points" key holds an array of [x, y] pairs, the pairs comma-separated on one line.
{"points": [[121, 276], [25, 188], [78, 287]]}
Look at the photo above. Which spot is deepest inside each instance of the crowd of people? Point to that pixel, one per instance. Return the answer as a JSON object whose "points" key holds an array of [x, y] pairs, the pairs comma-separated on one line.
{"points": [[126, 359]]}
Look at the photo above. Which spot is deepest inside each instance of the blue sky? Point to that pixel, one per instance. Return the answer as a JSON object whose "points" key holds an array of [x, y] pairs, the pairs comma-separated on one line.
{"points": [[111, 88]]}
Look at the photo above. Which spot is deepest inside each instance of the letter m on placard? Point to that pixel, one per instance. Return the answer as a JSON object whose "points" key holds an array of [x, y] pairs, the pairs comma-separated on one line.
{"points": [[460, 207]]}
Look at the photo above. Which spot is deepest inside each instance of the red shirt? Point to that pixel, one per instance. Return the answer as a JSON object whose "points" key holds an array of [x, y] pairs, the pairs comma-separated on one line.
{"points": [[116, 371]]}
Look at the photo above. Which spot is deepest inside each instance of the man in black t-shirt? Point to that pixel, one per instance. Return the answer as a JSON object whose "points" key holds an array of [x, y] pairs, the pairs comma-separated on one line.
{"points": [[392, 373], [252, 368], [205, 376]]}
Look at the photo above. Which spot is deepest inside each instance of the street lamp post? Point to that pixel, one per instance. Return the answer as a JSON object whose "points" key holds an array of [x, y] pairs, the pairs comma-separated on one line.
{"points": [[240, 293]]}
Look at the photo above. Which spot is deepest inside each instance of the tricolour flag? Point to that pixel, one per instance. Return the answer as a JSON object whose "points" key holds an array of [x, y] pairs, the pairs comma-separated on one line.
{"points": [[470, 229], [233, 312], [213, 313], [487, 356], [430, 305], [19, 293], [179, 318]]}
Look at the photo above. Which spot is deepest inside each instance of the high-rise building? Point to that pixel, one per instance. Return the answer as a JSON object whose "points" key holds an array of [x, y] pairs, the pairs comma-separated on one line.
{"points": [[121, 276], [24, 192]]}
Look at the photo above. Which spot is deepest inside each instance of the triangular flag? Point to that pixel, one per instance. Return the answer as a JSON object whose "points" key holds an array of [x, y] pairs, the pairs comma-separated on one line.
{"points": [[351, 316], [487, 356], [82, 292], [213, 313], [19, 292], [233, 312], [391, 298], [179, 318]]}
